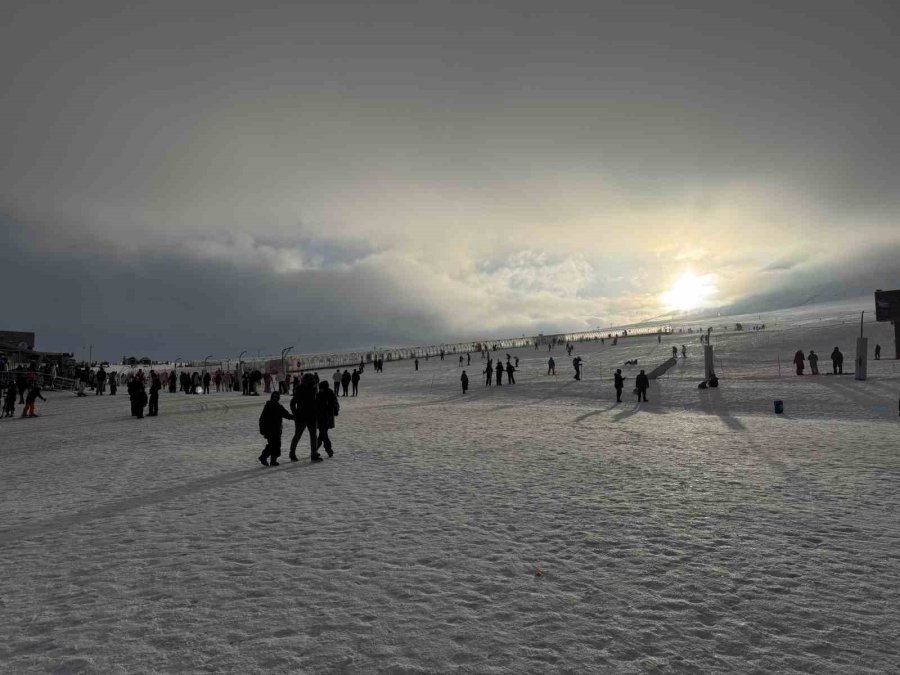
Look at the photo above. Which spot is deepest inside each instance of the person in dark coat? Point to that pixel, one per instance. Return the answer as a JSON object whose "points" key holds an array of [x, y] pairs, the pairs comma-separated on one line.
{"points": [[417, 363], [799, 361], [354, 379], [138, 397], [837, 362], [499, 373], [155, 386], [270, 427], [877, 352], [327, 408], [576, 363], [303, 408], [510, 369], [346, 378], [21, 385], [813, 359], [619, 384], [33, 395], [488, 374], [9, 404], [551, 366], [465, 381], [642, 383], [207, 378]]}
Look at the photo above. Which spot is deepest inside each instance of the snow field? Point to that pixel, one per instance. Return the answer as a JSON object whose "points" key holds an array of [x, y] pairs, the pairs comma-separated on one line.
{"points": [[697, 532]]}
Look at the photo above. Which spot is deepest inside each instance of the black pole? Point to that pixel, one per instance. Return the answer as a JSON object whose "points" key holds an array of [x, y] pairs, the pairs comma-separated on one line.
{"points": [[897, 338]]}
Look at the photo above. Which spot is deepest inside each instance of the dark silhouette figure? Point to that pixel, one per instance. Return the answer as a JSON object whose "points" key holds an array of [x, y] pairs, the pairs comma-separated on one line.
{"points": [[354, 379], [510, 369], [799, 361], [837, 362], [207, 378], [576, 363], [551, 366], [642, 383], [877, 352], [488, 374], [270, 427], [303, 408], [417, 363], [21, 385], [155, 386], [33, 395], [327, 408], [465, 381], [9, 403], [684, 351], [619, 384], [345, 382], [468, 359], [113, 384], [813, 359], [499, 373], [674, 352], [138, 397]]}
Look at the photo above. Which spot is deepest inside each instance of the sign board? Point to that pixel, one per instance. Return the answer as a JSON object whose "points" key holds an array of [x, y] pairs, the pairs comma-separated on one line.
{"points": [[887, 305]]}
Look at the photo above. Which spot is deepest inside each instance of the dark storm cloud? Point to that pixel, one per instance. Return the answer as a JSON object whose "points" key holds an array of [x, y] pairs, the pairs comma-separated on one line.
{"points": [[477, 159]]}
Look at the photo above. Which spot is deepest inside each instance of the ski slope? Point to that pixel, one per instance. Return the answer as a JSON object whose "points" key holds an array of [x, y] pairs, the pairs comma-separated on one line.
{"points": [[539, 527]]}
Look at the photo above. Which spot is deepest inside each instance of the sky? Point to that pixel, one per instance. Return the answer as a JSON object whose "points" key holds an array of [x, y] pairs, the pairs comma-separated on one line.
{"points": [[182, 179]]}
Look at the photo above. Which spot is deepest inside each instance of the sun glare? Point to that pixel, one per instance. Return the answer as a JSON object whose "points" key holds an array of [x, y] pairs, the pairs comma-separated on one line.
{"points": [[689, 291]]}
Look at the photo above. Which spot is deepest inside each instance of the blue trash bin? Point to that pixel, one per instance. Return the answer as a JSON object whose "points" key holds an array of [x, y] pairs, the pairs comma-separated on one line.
{"points": [[779, 407]]}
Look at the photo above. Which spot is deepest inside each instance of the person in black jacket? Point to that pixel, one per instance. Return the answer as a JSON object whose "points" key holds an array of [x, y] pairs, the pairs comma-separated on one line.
{"points": [[499, 373], [113, 383], [155, 386], [270, 427], [345, 382], [510, 369], [327, 408], [465, 381], [354, 378], [303, 408], [642, 382], [837, 362], [9, 405], [619, 384], [138, 397]]}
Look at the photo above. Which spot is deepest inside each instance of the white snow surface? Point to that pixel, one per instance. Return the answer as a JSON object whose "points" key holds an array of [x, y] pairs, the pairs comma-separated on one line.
{"points": [[696, 532]]}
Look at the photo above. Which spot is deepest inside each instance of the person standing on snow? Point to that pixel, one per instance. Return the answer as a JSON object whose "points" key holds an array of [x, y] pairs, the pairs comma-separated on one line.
{"points": [[813, 362], [674, 352], [551, 366], [33, 395], [9, 404], [155, 386], [499, 373], [799, 361], [877, 352], [417, 363], [354, 378], [510, 369], [576, 363], [465, 381], [488, 374], [336, 379], [837, 362], [642, 383], [684, 351], [345, 383], [619, 384], [270, 427]]}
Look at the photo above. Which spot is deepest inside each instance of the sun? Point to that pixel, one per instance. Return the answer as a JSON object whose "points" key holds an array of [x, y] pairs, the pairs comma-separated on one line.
{"points": [[689, 292]]}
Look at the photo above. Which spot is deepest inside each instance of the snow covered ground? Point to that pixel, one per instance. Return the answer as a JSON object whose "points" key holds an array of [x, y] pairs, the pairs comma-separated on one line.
{"points": [[538, 527]]}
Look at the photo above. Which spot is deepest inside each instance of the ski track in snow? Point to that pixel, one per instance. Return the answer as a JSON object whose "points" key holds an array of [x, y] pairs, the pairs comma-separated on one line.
{"points": [[698, 532]]}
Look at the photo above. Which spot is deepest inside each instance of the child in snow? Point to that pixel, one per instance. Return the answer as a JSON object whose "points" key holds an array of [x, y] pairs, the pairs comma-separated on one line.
{"points": [[33, 395]]}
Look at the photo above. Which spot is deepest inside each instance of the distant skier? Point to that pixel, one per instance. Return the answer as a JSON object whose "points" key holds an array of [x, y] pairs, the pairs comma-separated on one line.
{"points": [[270, 427], [327, 408], [642, 383], [877, 352], [354, 379], [619, 384], [799, 361], [837, 362], [465, 381], [813, 359], [551, 366]]}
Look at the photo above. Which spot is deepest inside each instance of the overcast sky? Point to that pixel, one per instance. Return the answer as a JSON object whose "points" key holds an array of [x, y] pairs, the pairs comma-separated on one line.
{"points": [[186, 178]]}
